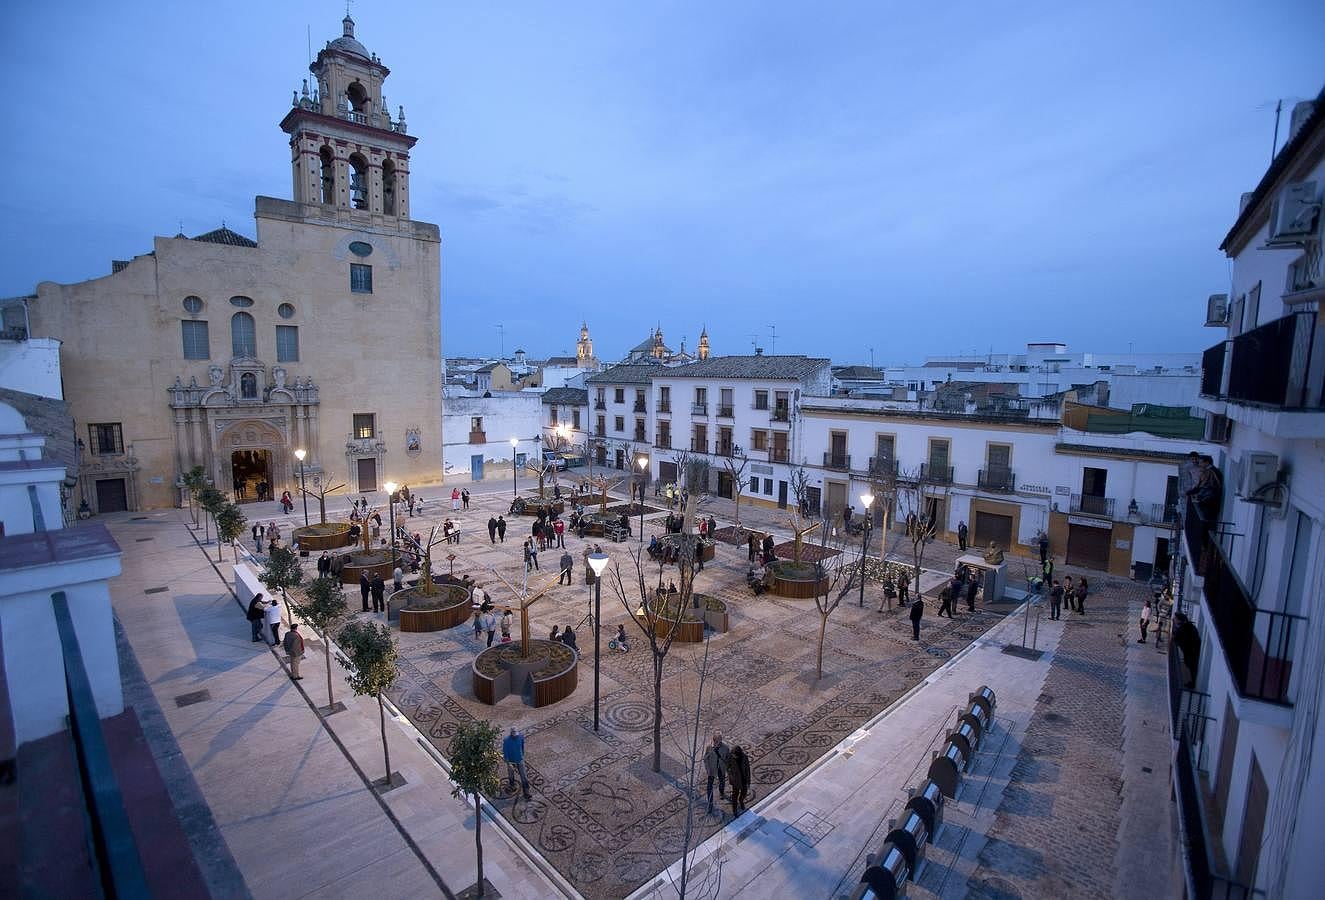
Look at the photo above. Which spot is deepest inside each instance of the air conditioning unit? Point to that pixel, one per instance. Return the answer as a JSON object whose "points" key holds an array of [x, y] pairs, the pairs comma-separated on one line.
{"points": [[1294, 215], [1218, 429], [1258, 475], [1216, 310]]}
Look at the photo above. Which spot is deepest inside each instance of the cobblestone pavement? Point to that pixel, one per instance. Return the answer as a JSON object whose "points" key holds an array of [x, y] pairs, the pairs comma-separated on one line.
{"points": [[599, 814], [1056, 831]]}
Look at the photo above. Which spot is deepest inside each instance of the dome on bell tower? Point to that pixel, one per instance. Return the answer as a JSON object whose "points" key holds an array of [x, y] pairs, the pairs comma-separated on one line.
{"points": [[347, 42]]}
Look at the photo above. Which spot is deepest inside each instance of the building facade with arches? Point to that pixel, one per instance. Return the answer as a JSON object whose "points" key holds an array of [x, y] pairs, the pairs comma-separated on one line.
{"points": [[322, 334]]}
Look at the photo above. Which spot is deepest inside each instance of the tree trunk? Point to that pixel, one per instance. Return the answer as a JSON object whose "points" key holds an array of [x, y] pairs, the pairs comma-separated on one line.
{"points": [[657, 712], [823, 629], [322, 508], [738, 507], [478, 841], [386, 751], [326, 640], [220, 546]]}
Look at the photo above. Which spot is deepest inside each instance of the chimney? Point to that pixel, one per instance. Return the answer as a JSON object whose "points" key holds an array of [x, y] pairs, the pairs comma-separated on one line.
{"points": [[1301, 112], [1244, 200], [759, 351]]}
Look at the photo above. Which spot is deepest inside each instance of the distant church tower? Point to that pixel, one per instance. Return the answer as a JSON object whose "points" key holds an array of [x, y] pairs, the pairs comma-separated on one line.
{"points": [[659, 349], [584, 348], [345, 149], [704, 343]]}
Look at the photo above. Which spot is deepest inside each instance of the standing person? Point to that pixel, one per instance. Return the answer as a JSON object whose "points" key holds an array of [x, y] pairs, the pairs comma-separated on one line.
{"points": [[537, 532], [556, 633], [1081, 596], [533, 556], [254, 616], [294, 646], [1187, 638], [738, 773], [418, 505], [1145, 621], [715, 764], [917, 613], [490, 625], [379, 593], [961, 534], [257, 536], [1069, 593], [492, 530], [846, 520], [506, 618], [752, 546], [945, 601], [272, 617], [972, 586], [324, 565], [398, 579], [478, 623], [1047, 569], [903, 587], [501, 528], [1044, 548], [713, 525], [768, 548], [1055, 600], [365, 586], [410, 504], [568, 638], [512, 751], [559, 528], [455, 499], [567, 561], [464, 497]]}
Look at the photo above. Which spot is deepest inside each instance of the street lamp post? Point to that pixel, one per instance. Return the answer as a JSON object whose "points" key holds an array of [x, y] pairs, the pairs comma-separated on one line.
{"points": [[598, 563], [391, 516], [515, 482], [303, 487], [643, 466], [867, 500]]}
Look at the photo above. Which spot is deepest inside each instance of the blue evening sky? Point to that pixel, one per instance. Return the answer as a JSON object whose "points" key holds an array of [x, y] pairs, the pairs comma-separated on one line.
{"points": [[912, 178]]}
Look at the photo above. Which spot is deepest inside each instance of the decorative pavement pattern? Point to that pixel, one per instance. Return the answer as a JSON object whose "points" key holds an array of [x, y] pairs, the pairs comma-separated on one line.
{"points": [[599, 814]]}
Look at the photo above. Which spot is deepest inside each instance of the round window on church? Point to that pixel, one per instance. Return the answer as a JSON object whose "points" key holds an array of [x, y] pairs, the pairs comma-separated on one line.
{"points": [[285, 311], [193, 305], [241, 302], [360, 248]]}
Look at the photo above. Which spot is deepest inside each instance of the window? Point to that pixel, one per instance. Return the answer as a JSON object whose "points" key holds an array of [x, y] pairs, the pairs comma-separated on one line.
{"points": [[285, 310], [248, 386], [759, 440], [664, 398], [620, 395], [365, 425], [553, 408], [600, 430], [361, 278], [938, 456], [193, 305], [885, 447], [639, 399], [768, 486], [241, 302], [389, 188], [664, 434], [287, 343], [105, 439], [358, 181], [327, 163], [761, 399], [701, 396], [196, 345], [361, 248], [475, 423], [619, 423], [725, 401], [243, 335]]}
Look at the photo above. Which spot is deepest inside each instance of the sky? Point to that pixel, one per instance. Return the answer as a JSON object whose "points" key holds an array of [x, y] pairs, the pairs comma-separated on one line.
{"points": [[871, 180]]}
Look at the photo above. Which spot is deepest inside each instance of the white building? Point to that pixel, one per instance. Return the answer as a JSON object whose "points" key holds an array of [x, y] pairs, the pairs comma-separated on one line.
{"points": [[477, 431], [1253, 569]]}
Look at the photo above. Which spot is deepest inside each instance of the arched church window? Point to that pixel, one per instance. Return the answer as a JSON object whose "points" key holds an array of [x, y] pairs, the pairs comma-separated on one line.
{"points": [[358, 182], [328, 175], [248, 386], [389, 188], [243, 335]]}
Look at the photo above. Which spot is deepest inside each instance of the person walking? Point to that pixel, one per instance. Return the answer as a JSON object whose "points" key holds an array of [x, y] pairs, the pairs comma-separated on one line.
{"points": [[972, 586], [256, 531], [478, 624], [768, 548], [917, 613], [501, 528], [738, 773], [512, 751], [533, 556], [506, 619], [1044, 548], [272, 617], [1145, 622], [365, 586], [559, 529], [490, 625], [567, 561], [464, 498], [492, 530], [715, 764], [1082, 590], [1047, 570], [410, 504], [961, 535], [398, 579], [254, 615], [294, 646], [752, 546], [379, 593], [1055, 600], [945, 601]]}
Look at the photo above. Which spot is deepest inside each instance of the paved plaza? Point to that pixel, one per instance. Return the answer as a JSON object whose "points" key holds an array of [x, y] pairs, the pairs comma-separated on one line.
{"points": [[1048, 819]]}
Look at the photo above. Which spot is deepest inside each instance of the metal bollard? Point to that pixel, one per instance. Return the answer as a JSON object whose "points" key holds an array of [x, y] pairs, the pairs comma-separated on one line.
{"points": [[984, 695], [887, 878], [927, 800], [967, 738], [946, 769], [910, 838]]}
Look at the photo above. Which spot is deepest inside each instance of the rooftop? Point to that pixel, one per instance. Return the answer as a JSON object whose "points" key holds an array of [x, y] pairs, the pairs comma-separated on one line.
{"points": [[630, 373], [67, 545], [756, 366], [224, 235], [564, 396]]}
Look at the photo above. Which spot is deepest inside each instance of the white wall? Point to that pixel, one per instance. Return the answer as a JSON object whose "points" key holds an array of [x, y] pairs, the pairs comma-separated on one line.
{"points": [[32, 366], [505, 415]]}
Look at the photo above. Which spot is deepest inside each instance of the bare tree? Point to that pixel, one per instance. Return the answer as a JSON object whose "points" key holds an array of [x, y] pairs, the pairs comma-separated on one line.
{"points": [[921, 526], [800, 517], [320, 491], [736, 465], [837, 580]]}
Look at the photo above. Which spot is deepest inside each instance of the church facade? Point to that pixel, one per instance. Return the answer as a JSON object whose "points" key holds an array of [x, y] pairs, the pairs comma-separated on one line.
{"points": [[322, 335]]}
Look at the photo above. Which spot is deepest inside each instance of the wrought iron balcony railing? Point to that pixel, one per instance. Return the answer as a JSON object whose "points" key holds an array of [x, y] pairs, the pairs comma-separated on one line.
{"points": [[997, 478], [1091, 505]]}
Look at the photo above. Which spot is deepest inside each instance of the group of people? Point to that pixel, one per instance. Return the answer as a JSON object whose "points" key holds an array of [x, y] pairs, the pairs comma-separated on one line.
{"points": [[965, 582], [1065, 593], [728, 765], [270, 534], [487, 622], [264, 617]]}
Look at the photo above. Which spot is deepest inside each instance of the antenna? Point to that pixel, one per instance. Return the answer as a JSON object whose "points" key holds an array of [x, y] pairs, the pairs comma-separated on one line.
{"points": [[501, 333], [773, 341], [1278, 108], [308, 33], [871, 357], [754, 342]]}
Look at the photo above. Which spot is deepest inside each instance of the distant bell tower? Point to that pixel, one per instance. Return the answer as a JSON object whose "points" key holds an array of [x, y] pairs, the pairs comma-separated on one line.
{"points": [[345, 150], [584, 348], [704, 343]]}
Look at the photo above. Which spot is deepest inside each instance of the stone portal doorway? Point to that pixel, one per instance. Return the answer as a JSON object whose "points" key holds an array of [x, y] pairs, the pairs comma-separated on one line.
{"points": [[252, 475]]}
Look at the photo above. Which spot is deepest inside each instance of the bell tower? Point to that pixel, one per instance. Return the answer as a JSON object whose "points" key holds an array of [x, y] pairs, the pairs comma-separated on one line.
{"points": [[584, 348], [345, 150], [704, 343]]}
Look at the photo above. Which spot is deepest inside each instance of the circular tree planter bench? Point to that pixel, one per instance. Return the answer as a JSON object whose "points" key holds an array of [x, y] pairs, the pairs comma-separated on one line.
{"points": [[449, 607], [375, 563], [548, 675], [707, 548], [531, 506], [331, 536], [795, 580], [712, 613]]}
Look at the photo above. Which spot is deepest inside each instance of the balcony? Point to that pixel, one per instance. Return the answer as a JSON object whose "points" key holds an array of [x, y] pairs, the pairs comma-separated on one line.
{"points": [[1167, 513], [1272, 365], [779, 454], [935, 474], [780, 414], [839, 461], [883, 466], [640, 436], [727, 450], [478, 437], [997, 478], [1090, 505], [726, 412], [600, 404], [699, 446], [664, 442], [664, 406], [699, 409], [600, 432], [1212, 370], [639, 406], [1257, 643]]}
